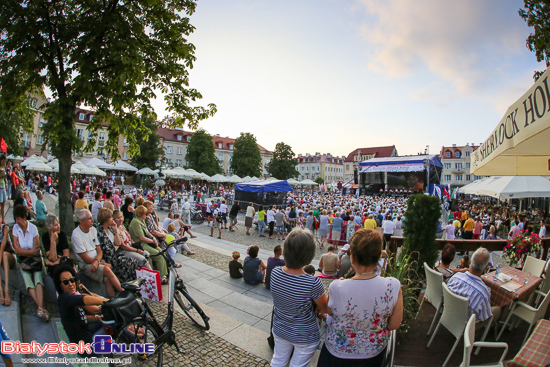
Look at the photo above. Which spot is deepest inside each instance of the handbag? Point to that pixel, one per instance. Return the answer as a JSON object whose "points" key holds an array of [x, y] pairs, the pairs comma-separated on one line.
{"points": [[30, 263], [151, 288]]}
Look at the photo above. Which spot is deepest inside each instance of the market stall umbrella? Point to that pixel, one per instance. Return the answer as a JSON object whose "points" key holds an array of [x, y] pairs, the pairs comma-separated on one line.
{"points": [[293, 182], [99, 163], [74, 170], [39, 166], [236, 179], [39, 158], [146, 171], [28, 162], [193, 174], [471, 187], [308, 182], [217, 178], [79, 166], [169, 173], [518, 146], [123, 166], [160, 182], [93, 171], [248, 179], [204, 176], [515, 187], [54, 163]]}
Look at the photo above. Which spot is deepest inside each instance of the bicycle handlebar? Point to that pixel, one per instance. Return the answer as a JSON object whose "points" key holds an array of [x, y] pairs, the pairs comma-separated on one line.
{"points": [[168, 259]]}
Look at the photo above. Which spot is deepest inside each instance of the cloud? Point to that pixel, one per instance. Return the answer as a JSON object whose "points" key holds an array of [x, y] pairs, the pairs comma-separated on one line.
{"points": [[464, 42]]}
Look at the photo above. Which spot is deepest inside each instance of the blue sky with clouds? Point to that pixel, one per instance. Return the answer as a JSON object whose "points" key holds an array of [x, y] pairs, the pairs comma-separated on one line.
{"points": [[335, 75]]}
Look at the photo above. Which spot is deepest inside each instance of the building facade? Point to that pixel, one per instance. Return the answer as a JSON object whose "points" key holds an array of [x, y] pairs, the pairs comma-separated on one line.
{"points": [[326, 166], [353, 159], [175, 143], [456, 162]]}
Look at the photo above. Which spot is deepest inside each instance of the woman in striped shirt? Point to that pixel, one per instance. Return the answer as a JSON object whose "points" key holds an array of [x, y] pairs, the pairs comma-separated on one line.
{"points": [[294, 292]]}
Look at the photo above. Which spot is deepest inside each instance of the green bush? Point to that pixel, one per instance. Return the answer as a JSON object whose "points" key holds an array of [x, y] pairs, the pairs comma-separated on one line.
{"points": [[422, 215]]}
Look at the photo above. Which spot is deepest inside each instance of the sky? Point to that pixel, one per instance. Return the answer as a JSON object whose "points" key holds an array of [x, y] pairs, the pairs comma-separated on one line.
{"points": [[331, 76]]}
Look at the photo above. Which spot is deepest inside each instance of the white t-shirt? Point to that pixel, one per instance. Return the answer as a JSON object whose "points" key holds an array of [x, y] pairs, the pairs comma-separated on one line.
{"points": [[250, 211], [270, 216], [96, 205], [450, 229], [166, 222], [84, 242], [25, 239], [389, 227], [186, 205], [223, 208]]}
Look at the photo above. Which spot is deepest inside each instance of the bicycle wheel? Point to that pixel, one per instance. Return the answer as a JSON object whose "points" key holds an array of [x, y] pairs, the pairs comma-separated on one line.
{"points": [[138, 331], [197, 218], [192, 309]]}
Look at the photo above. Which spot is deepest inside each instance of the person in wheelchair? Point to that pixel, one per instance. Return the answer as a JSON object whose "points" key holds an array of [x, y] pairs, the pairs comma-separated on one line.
{"points": [[78, 324]]}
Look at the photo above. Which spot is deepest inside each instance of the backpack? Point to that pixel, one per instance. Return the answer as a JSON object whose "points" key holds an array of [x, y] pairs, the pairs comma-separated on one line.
{"points": [[219, 217], [292, 213]]}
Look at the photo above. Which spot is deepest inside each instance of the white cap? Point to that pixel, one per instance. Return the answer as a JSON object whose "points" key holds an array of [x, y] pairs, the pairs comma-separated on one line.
{"points": [[346, 247]]}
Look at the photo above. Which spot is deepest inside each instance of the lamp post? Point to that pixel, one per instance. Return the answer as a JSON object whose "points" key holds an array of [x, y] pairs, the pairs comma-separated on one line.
{"points": [[427, 151]]}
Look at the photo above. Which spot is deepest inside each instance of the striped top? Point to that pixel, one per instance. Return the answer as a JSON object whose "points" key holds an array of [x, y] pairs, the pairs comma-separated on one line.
{"points": [[472, 287], [293, 296]]}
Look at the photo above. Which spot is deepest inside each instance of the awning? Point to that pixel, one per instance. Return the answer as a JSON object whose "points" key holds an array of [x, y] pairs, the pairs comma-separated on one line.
{"points": [[264, 186], [399, 164], [518, 146]]}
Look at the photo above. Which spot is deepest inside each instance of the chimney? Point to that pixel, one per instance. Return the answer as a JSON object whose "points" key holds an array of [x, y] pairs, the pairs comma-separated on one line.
{"points": [[454, 145]]}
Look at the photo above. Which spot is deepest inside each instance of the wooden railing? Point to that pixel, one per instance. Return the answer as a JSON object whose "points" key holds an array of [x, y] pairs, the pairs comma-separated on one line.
{"points": [[469, 245]]}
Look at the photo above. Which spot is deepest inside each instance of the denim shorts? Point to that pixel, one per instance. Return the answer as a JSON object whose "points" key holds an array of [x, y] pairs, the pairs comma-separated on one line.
{"points": [[280, 228], [3, 195]]}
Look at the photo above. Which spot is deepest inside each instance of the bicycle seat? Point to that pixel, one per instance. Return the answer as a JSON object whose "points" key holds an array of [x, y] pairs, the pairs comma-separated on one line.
{"points": [[133, 286]]}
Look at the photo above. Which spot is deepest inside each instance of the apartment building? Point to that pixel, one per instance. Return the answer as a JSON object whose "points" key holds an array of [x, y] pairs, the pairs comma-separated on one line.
{"points": [[456, 162], [353, 159], [327, 166]]}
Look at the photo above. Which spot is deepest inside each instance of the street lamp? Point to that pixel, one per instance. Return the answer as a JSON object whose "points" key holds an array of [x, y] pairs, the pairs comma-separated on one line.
{"points": [[427, 152]]}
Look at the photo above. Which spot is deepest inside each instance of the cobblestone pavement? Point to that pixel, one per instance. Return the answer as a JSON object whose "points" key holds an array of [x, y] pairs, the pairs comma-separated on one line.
{"points": [[203, 348]]}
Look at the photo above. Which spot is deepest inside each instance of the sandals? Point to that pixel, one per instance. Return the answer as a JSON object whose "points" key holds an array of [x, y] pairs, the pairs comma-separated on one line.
{"points": [[178, 266], [7, 300], [43, 314], [193, 236], [220, 238], [164, 280], [190, 253]]}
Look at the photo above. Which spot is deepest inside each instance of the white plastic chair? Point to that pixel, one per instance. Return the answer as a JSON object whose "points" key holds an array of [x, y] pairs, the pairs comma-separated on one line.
{"points": [[434, 293], [534, 266], [469, 345], [454, 317], [527, 313]]}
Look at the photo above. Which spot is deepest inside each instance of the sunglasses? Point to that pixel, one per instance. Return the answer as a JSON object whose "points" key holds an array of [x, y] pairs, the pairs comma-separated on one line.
{"points": [[66, 281]]}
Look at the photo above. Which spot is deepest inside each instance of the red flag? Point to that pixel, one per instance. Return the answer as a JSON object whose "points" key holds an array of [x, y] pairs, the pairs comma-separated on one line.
{"points": [[3, 146], [446, 193]]}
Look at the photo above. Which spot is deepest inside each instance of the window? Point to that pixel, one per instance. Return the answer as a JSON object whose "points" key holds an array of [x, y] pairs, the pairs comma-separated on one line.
{"points": [[448, 154], [81, 116], [219, 145], [231, 146], [179, 137], [126, 142], [467, 165], [447, 166], [447, 178], [101, 141], [39, 140], [125, 156], [91, 117], [179, 150], [80, 134], [468, 178], [42, 122], [33, 102], [178, 162], [169, 162], [458, 165], [458, 177], [457, 154], [467, 154], [100, 152], [168, 150], [188, 138]]}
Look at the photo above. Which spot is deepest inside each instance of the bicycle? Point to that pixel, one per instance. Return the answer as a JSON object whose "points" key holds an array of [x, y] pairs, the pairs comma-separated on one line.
{"points": [[128, 329], [196, 216]]}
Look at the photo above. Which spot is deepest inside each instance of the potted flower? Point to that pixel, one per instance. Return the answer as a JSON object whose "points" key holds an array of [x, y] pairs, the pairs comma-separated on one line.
{"points": [[520, 245]]}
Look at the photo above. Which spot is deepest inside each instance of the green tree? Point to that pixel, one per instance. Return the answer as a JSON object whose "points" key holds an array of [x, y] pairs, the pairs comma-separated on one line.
{"points": [[110, 56], [537, 15], [150, 150], [422, 215], [283, 164], [319, 180], [14, 122], [201, 153], [247, 160]]}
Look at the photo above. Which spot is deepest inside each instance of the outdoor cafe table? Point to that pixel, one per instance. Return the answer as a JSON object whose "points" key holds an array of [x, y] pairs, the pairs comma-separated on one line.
{"points": [[501, 296], [536, 351]]}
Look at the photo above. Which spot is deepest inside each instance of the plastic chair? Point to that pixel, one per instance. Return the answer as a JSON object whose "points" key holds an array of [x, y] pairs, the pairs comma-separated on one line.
{"points": [[527, 313], [534, 266], [454, 317], [469, 345], [434, 293]]}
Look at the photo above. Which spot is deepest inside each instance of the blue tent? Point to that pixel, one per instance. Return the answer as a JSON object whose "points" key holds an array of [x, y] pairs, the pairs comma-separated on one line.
{"points": [[264, 186]]}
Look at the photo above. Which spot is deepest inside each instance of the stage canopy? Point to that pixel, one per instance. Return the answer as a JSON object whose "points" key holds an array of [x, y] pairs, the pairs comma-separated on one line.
{"points": [[264, 186], [413, 163]]}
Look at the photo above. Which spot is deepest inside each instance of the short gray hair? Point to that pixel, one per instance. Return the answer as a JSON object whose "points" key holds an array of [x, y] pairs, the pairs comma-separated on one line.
{"points": [[299, 248], [480, 259], [50, 221], [82, 214]]}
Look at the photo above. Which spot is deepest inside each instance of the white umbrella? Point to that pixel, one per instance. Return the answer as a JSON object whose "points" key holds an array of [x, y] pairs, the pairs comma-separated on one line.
{"points": [[123, 166], [204, 176], [193, 174], [93, 171], [39, 166], [307, 182], [79, 166], [293, 182], [217, 178], [236, 179], [169, 173], [39, 158], [54, 164], [514, 187], [99, 163], [27, 162], [74, 170], [146, 171], [160, 182]]}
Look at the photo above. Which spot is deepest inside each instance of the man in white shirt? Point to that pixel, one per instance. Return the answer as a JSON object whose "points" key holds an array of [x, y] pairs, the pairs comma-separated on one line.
{"points": [[186, 212], [96, 205], [450, 230], [89, 254], [223, 210], [168, 220]]}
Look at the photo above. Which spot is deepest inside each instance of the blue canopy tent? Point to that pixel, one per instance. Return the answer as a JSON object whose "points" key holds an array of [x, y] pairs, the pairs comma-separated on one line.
{"points": [[263, 192]]}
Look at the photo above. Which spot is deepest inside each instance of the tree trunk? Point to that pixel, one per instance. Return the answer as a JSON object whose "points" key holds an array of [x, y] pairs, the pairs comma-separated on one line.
{"points": [[64, 192]]}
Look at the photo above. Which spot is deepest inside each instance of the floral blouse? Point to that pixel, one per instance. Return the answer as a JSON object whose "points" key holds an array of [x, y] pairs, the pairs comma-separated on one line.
{"points": [[123, 266], [360, 312]]}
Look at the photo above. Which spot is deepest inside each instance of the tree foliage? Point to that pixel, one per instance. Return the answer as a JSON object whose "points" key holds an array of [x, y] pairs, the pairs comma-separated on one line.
{"points": [[150, 150], [422, 215], [14, 122], [201, 153], [319, 180], [537, 15], [247, 160], [283, 164], [110, 56]]}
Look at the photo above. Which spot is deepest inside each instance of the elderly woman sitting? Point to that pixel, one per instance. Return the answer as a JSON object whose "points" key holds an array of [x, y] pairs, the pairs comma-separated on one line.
{"points": [[110, 242], [55, 243]]}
